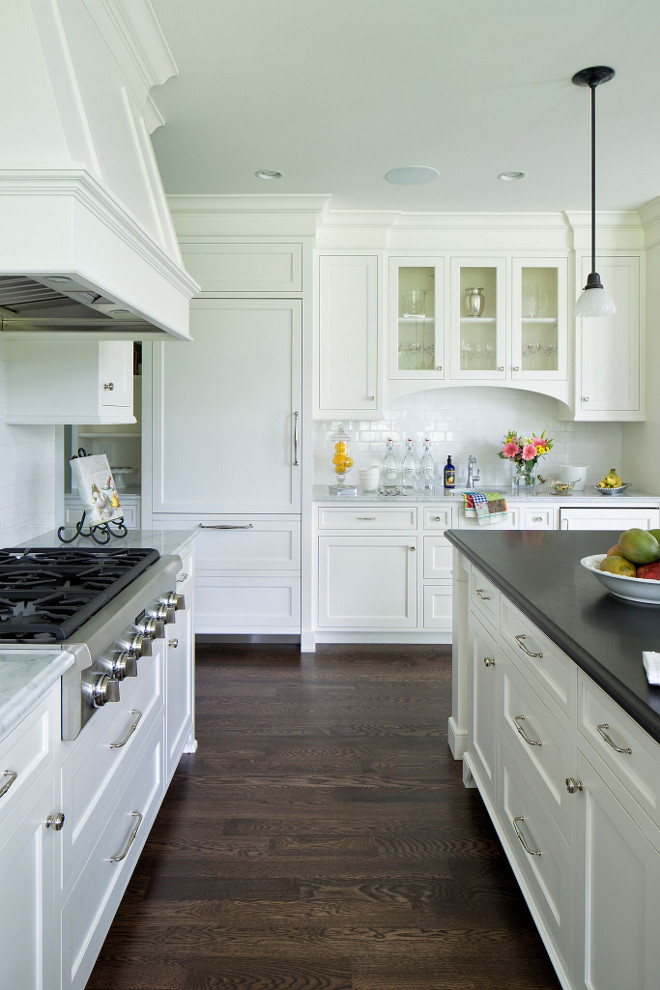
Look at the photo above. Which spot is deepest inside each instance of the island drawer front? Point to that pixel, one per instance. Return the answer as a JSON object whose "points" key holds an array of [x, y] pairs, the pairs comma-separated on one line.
{"points": [[27, 749], [484, 595], [98, 764], [367, 517], [438, 518], [639, 771], [437, 558], [541, 743], [546, 665], [548, 875]]}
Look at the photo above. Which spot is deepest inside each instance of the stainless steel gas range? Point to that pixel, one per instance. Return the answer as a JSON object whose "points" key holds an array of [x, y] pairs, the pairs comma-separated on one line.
{"points": [[105, 605]]}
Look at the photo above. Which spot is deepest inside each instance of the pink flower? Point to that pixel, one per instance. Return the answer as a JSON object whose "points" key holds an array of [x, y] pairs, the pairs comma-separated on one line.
{"points": [[538, 441], [511, 448], [529, 452]]}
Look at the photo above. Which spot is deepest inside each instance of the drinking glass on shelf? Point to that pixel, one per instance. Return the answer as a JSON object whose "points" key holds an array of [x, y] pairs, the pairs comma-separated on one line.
{"points": [[534, 301]]}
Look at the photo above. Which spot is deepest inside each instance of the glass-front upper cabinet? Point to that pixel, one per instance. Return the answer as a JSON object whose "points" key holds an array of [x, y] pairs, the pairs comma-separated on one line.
{"points": [[477, 342], [539, 319], [417, 318]]}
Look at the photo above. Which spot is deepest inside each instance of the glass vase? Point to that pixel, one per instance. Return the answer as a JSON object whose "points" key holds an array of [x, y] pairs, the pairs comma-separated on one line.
{"points": [[523, 479]]}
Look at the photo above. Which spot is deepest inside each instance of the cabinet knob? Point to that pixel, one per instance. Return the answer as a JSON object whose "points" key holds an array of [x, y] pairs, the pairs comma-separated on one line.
{"points": [[489, 661], [500, 367], [585, 398], [573, 785], [173, 643], [372, 398], [537, 518], [516, 367], [438, 367], [109, 386], [55, 821], [412, 549]]}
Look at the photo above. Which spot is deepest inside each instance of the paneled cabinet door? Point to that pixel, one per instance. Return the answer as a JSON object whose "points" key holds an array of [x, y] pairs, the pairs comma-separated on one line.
{"points": [[539, 321], [477, 336], [609, 348], [27, 919], [417, 315], [618, 907], [485, 663], [179, 677], [226, 427], [367, 582], [348, 335]]}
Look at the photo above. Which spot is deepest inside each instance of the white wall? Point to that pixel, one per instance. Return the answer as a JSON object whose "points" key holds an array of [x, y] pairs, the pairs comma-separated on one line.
{"points": [[27, 475], [473, 420]]}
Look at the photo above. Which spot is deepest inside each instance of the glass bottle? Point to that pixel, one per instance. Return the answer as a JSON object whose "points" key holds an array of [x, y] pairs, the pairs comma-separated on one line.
{"points": [[410, 465], [449, 476], [390, 467], [427, 469]]}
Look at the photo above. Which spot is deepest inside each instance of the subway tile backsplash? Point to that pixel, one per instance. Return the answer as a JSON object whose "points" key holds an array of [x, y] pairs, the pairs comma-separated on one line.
{"points": [[27, 475], [472, 420]]}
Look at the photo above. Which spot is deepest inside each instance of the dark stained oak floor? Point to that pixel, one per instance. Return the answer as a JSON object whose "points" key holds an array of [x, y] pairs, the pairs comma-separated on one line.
{"points": [[321, 839]]}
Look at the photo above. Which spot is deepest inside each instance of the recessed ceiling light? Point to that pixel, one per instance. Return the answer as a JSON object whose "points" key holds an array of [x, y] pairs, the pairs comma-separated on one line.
{"points": [[412, 175], [268, 173], [511, 176]]}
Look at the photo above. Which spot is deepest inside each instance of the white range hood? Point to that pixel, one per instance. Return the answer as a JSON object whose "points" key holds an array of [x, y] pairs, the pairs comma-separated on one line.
{"points": [[87, 245]]}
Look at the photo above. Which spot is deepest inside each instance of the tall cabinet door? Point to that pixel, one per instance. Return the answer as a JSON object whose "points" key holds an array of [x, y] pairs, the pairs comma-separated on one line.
{"points": [[227, 435]]}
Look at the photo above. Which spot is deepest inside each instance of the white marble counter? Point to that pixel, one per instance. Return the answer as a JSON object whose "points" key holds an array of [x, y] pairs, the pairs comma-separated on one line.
{"points": [[25, 676], [631, 496], [166, 541]]}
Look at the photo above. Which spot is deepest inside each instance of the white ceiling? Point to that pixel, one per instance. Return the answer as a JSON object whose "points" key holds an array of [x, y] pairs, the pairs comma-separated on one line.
{"points": [[334, 93]]}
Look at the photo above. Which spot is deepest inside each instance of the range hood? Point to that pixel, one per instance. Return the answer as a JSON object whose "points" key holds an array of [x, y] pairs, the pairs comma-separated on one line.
{"points": [[87, 244]]}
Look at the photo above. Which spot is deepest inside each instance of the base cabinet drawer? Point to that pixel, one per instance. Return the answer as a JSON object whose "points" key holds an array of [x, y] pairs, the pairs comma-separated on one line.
{"points": [[227, 604]]}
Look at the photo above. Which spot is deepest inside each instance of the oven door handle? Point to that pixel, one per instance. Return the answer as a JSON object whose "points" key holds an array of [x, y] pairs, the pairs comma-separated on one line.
{"points": [[131, 730]]}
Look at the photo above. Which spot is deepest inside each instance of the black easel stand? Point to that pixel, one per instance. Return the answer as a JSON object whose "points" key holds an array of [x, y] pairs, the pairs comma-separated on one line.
{"points": [[100, 533]]}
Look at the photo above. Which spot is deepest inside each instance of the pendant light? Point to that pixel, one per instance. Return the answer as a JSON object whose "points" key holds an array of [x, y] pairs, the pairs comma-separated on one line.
{"points": [[594, 301]]}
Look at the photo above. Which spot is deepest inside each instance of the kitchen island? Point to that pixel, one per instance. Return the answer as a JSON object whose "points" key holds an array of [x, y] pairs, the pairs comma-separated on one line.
{"points": [[559, 730]]}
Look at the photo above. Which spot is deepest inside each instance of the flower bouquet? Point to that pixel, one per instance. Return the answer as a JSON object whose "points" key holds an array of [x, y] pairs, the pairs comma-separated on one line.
{"points": [[524, 453]]}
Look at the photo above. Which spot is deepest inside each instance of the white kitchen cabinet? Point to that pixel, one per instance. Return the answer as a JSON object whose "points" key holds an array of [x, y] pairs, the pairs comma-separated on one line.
{"points": [[347, 360], [486, 664], [610, 349], [618, 520], [417, 318], [180, 672], [478, 344], [62, 381], [539, 319], [367, 582], [226, 411]]}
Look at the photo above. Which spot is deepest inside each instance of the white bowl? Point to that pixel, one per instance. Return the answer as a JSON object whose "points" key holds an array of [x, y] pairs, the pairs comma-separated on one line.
{"points": [[613, 491], [632, 589]]}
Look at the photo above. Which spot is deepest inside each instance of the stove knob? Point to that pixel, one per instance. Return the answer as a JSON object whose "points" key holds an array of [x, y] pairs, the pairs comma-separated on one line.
{"points": [[162, 612], [175, 601], [150, 627], [99, 689], [137, 643], [123, 664]]}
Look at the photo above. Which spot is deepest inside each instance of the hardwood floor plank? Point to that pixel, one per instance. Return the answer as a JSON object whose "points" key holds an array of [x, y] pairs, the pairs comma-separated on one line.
{"points": [[321, 839]]}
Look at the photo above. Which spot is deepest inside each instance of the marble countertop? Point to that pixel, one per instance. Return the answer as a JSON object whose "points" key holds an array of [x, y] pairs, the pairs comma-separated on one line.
{"points": [[166, 541], [25, 676], [630, 496], [604, 635]]}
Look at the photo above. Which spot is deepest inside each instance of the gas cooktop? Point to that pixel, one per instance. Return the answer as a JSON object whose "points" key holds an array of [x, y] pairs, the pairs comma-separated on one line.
{"points": [[48, 592]]}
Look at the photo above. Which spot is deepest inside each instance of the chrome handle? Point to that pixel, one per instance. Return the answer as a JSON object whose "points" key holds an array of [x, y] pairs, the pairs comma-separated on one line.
{"points": [[365, 518], [537, 518], [55, 822], [134, 831], [528, 849], [489, 661], [519, 639], [530, 742], [173, 643], [133, 726], [573, 785], [224, 526], [480, 594], [610, 742], [12, 777], [181, 578], [109, 386], [296, 437]]}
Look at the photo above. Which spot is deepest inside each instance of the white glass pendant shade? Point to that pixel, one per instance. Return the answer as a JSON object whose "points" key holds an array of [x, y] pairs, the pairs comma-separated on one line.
{"points": [[594, 301]]}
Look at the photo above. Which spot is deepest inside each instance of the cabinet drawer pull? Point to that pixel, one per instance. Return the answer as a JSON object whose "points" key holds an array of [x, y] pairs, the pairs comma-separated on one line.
{"points": [[480, 594], [537, 518], [131, 839], [489, 661], [296, 438], [173, 643], [366, 518], [12, 777], [610, 742], [573, 785], [437, 519], [56, 822], [519, 639], [109, 386], [181, 578], [224, 526], [133, 726], [530, 742], [528, 849]]}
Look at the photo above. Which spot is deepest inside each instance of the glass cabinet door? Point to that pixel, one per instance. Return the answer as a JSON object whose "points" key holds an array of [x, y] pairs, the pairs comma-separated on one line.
{"points": [[477, 304], [539, 322], [416, 306]]}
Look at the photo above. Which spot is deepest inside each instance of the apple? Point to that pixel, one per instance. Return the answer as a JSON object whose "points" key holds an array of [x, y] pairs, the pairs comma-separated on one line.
{"points": [[650, 571]]}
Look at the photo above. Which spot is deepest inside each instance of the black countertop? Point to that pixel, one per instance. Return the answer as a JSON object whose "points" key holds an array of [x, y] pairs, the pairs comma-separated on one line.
{"points": [[540, 572]]}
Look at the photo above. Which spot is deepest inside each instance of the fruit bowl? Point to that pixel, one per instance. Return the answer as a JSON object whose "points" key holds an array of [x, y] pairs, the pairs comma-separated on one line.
{"points": [[631, 589], [613, 491]]}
